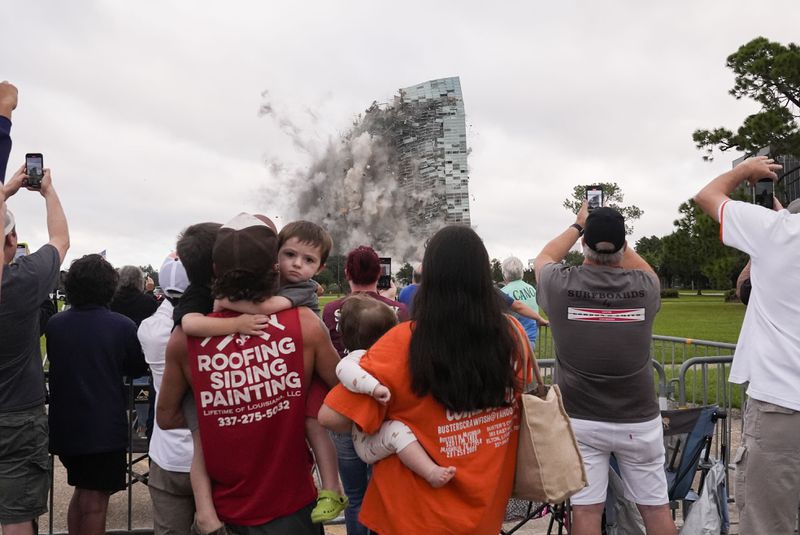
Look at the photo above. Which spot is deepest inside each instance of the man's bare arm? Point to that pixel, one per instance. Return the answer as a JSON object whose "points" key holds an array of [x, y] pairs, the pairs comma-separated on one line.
{"points": [[557, 248], [632, 260], [743, 276], [317, 338], [8, 99], [175, 383], [524, 310], [716, 192], [57, 227]]}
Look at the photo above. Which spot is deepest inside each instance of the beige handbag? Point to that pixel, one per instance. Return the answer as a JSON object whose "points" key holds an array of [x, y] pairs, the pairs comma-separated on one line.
{"points": [[549, 464]]}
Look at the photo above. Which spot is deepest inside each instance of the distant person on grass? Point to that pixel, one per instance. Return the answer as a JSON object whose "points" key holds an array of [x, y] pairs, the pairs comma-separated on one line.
{"points": [[407, 294], [90, 350], [453, 373], [767, 489], [521, 291]]}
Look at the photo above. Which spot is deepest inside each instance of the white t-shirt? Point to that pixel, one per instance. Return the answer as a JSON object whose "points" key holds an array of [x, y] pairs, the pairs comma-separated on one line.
{"points": [[768, 350], [171, 449]]}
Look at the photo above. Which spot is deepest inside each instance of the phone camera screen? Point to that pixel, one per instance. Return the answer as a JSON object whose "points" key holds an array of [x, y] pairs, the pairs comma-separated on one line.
{"points": [[594, 198], [35, 167], [385, 279], [764, 191]]}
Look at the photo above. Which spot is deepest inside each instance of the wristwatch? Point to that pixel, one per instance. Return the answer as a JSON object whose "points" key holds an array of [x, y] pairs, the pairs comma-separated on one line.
{"points": [[578, 228]]}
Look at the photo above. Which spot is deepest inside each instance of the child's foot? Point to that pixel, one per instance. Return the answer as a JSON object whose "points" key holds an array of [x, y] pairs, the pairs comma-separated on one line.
{"points": [[329, 506], [440, 476]]}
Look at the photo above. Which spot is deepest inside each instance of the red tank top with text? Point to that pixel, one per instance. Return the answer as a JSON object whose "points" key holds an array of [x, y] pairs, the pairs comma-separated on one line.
{"points": [[250, 397]]}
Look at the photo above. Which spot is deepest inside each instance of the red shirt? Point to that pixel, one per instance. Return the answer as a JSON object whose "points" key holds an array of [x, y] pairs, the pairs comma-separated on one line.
{"points": [[250, 395], [332, 311]]}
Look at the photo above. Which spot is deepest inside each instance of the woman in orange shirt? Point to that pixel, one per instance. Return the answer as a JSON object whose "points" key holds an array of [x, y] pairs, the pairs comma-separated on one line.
{"points": [[454, 376]]}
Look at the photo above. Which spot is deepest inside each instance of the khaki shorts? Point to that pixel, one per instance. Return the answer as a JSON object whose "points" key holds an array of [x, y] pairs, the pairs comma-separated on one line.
{"points": [[767, 484], [173, 501], [24, 465]]}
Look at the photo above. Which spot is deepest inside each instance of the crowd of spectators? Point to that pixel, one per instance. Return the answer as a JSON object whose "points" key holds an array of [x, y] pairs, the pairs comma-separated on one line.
{"points": [[408, 408]]}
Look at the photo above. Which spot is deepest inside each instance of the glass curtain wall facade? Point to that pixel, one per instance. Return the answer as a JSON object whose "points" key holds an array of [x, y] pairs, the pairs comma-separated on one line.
{"points": [[432, 153]]}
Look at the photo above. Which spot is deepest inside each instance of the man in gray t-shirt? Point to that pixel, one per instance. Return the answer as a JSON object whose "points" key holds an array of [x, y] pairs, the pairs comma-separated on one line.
{"points": [[601, 315], [26, 283]]}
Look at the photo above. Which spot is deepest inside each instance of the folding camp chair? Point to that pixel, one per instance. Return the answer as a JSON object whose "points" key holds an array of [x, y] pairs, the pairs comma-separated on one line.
{"points": [[688, 434], [138, 403]]}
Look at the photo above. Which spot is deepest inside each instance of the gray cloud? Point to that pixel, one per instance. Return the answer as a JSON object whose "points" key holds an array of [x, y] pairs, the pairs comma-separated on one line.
{"points": [[148, 112]]}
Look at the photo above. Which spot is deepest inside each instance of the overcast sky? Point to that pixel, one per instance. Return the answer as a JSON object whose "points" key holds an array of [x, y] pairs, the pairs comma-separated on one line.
{"points": [[147, 111]]}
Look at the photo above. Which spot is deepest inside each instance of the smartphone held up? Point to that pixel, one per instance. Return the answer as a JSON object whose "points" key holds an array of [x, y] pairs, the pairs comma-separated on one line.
{"points": [[594, 197], [34, 168], [385, 279], [763, 193]]}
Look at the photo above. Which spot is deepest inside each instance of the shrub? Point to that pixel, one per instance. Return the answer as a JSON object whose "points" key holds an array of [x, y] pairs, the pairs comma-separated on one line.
{"points": [[731, 297], [669, 293]]}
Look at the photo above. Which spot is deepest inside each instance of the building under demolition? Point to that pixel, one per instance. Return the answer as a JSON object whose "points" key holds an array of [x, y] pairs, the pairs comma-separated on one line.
{"points": [[427, 131], [395, 177]]}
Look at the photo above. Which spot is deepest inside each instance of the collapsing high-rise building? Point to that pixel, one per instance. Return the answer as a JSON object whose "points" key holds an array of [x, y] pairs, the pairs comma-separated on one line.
{"points": [[428, 135], [396, 176], [432, 149]]}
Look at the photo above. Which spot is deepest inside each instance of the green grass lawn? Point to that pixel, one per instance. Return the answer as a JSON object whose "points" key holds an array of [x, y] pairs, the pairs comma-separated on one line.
{"points": [[325, 299], [700, 318]]}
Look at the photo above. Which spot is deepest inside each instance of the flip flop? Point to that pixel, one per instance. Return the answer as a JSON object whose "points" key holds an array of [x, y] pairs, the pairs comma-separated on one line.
{"points": [[329, 506]]}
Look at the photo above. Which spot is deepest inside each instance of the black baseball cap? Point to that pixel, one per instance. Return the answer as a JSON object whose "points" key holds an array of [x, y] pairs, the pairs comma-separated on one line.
{"points": [[605, 225]]}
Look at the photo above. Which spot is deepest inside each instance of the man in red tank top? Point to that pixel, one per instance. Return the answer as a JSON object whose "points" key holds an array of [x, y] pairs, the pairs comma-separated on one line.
{"points": [[250, 393]]}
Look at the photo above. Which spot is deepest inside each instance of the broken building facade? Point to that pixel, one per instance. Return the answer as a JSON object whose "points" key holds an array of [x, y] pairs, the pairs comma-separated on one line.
{"points": [[427, 130]]}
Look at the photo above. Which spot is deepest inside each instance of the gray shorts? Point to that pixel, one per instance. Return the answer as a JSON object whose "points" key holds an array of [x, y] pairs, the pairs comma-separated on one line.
{"points": [[24, 465]]}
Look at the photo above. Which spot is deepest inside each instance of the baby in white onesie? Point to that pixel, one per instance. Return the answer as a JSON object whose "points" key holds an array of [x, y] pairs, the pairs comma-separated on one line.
{"points": [[363, 321]]}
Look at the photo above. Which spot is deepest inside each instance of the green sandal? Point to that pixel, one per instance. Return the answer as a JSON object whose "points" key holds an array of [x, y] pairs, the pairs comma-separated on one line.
{"points": [[329, 506]]}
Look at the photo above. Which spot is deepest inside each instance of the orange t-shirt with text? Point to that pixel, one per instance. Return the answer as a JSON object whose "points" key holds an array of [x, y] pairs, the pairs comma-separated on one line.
{"points": [[482, 445]]}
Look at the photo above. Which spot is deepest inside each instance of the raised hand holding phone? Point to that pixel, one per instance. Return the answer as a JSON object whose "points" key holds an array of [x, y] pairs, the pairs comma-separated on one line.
{"points": [[764, 193]]}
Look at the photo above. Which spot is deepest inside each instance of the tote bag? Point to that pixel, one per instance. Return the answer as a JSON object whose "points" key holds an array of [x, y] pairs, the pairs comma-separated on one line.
{"points": [[549, 464]]}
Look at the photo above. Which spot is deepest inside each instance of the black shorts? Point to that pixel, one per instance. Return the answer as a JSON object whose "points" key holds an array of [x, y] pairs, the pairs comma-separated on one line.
{"points": [[97, 471]]}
